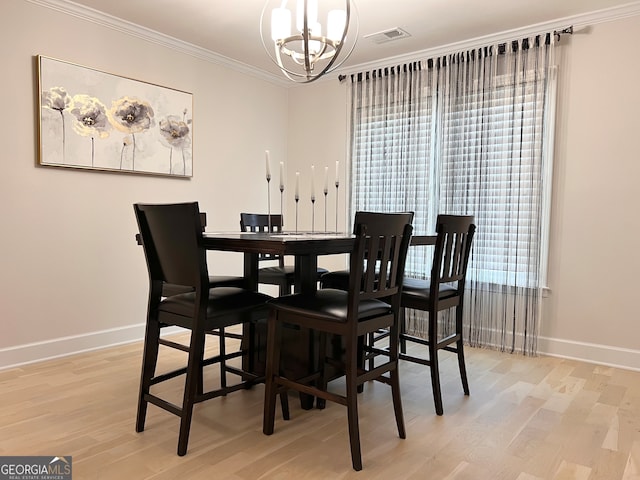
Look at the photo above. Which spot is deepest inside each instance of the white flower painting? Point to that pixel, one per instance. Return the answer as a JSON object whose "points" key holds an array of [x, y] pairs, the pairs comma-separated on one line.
{"points": [[94, 120]]}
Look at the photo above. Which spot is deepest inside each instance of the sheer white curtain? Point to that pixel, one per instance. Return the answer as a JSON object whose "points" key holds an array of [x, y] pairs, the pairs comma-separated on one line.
{"points": [[467, 133]]}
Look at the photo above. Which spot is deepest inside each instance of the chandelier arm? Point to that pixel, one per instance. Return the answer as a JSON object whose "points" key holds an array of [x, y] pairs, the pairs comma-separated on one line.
{"points": [[286, 73], [338, 47], [308, 67]]}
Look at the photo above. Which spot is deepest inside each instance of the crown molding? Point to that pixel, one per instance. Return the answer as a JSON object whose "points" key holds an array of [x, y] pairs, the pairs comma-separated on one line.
{"points": [[89, 14], [103, 19]]}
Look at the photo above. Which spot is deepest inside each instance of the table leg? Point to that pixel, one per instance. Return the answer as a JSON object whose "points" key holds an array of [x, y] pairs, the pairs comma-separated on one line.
{"points": [[251, 271], [252, 341], [306, 272], [306, 268]]}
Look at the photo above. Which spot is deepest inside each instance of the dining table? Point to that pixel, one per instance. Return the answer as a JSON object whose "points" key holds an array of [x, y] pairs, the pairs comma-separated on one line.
{"points": [[305, 247], [299, 345]]}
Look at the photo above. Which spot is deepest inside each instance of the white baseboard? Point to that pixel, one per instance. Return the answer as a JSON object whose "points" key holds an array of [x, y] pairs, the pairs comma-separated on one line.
{"points": [[590, 353], [12, 357]]}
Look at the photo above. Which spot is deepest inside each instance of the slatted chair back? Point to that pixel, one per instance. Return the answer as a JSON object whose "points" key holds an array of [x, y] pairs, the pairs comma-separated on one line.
{"points": [[452, 251], [258, 222], [381, 236]]}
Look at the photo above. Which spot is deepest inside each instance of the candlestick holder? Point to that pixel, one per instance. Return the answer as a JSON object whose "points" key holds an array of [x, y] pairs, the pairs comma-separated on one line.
{"points": [[337, 186], [269, 200], [297, 200], [281, 209], [313, 213], [325, 210]]}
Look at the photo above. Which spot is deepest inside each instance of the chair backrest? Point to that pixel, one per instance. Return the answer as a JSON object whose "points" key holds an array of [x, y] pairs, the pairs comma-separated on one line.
{"points": [[452, 250], [259, 222], [384, 237], [171, 235]]}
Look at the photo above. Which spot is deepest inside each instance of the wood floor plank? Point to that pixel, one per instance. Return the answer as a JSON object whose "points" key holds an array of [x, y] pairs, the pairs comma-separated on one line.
{"points": [[526, 419]]}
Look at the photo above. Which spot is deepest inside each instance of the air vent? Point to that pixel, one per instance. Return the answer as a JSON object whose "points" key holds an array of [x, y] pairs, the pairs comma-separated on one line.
{"points": [[388, 35]]}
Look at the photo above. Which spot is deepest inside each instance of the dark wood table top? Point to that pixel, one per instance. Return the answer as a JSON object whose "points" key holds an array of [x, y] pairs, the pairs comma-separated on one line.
{"points": [[306, 243], [302, 243]]}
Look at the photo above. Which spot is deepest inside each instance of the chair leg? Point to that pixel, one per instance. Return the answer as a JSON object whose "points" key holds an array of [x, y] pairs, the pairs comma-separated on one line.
{"points": [[284, 404], [460, 351], [371, 342], [223, 361], [149, 362], [403, 330], [200, 374], [463, 369], [394, 376], [193, 378], [351, 372], [435, 377], [433, 360], [323, 378], [272, 370], [362, 341]]}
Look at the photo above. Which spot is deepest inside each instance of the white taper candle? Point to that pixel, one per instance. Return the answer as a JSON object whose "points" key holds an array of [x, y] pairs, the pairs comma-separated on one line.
{"points": [[266, 158], [281, 175]]}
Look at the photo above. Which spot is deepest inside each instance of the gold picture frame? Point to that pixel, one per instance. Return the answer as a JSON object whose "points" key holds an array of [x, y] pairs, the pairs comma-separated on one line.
{"points": [[89, 119]]}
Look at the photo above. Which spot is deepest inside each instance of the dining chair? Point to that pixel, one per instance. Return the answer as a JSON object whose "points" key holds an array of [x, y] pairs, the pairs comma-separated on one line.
{"points": [[214, 280], [371, 302], [443, 291], [171, 235], [451, 256], [280, 274]]}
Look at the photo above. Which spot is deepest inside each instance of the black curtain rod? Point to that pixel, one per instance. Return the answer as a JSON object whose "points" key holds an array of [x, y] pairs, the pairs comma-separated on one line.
{"points": [[384, 71], [565, 31], [557, 33]]}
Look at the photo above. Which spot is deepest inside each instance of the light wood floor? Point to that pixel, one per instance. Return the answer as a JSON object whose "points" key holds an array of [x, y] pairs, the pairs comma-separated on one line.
{"points": [[526, 419]]}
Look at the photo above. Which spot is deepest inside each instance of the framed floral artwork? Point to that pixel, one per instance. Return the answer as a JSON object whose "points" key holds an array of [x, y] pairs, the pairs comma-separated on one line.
{"points": [[95, 120]]}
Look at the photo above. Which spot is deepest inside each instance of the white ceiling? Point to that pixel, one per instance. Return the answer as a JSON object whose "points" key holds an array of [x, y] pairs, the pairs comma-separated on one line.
{"points": [[230, 28]]}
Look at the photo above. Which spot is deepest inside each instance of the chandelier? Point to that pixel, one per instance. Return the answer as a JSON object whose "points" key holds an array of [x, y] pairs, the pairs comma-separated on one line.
{"points": [[308, 49]]}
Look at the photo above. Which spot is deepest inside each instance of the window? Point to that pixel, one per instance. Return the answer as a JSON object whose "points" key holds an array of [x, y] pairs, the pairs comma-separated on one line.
{"points": [[462, 135], [468, 133]]}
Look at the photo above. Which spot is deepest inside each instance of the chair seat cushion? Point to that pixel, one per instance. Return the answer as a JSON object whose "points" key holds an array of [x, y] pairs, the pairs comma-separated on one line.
{"points": [[275, 274], [225, 281], [224, 306], [418, 289], [337, 279], [169, 289], [328, 304]]}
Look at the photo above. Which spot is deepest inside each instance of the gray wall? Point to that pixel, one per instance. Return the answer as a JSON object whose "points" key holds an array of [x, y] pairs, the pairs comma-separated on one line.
{"points": [[72, 277]]}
